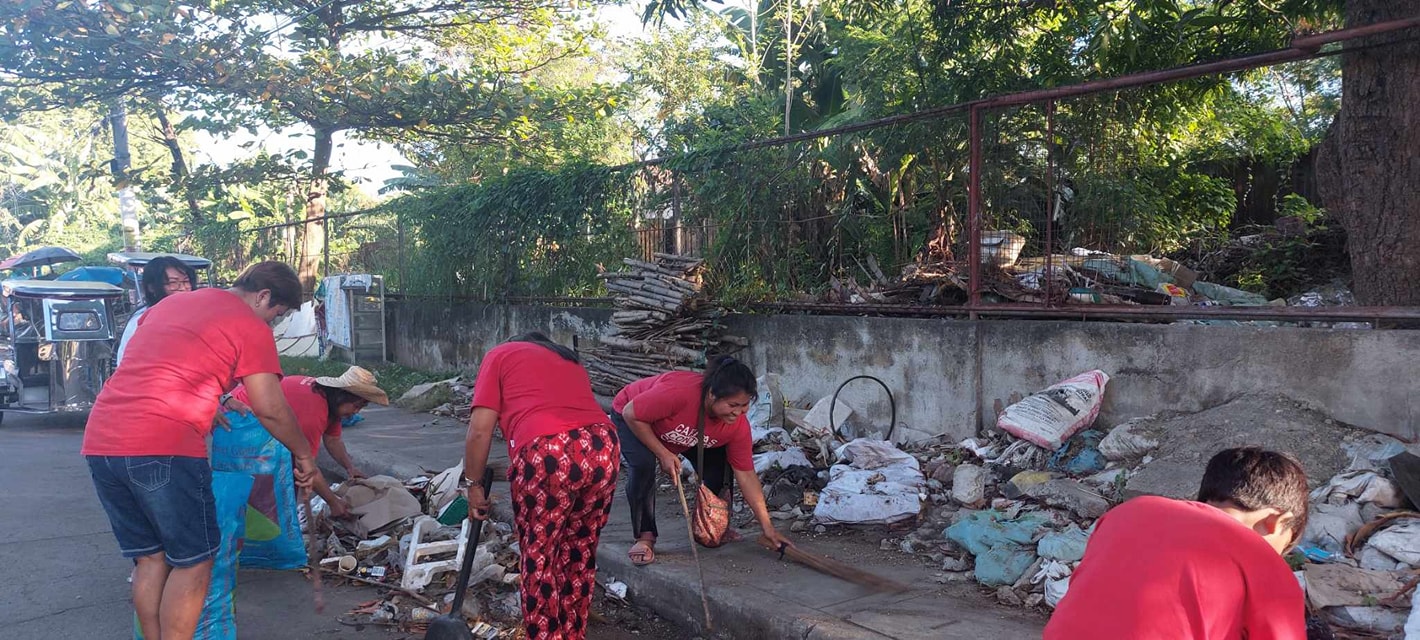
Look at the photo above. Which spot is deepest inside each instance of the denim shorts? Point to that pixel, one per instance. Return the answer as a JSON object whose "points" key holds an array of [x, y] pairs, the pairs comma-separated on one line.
{"points": [[159, 504]]}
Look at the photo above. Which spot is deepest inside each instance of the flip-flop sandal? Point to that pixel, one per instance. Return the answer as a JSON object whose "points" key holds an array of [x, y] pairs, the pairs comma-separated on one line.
{"points": [[644, 550]]}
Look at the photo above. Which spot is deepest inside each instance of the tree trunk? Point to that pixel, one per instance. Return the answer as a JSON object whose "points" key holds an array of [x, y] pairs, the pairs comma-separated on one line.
{"points": [[1368, 169], [179, 170], [313, 243]]}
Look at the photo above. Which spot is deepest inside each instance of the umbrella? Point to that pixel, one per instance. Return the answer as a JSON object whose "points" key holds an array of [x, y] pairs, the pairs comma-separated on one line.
{"points": [[40, 257]]}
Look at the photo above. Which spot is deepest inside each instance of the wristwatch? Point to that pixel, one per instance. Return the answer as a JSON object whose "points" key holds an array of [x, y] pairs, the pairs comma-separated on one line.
{"points": [[222, 400]]}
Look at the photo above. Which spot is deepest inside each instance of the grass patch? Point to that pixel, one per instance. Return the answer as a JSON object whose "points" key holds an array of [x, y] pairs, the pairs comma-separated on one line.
{"points": [[393, 378]]}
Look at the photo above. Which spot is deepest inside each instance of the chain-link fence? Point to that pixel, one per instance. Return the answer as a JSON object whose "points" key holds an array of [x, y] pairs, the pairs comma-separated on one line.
{"points": [[1091, 200]]}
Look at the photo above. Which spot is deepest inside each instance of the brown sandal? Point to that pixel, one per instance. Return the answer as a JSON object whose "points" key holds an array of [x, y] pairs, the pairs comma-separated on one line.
{"points": [[642, 553]]}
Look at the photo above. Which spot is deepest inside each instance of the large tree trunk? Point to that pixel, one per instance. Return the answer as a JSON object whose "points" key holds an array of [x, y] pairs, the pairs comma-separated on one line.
{"points": [[313, 243], [1368, 168]]}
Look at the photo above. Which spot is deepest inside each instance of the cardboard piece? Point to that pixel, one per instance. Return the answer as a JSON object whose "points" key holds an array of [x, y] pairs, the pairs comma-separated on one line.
{"points": [[379, 501]]}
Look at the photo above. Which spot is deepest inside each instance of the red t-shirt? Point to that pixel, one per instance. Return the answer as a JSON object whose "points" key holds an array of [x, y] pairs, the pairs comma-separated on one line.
{"points": [[671, 403], [188, 351], [535, 392], [1162, 569], [311, 409]]}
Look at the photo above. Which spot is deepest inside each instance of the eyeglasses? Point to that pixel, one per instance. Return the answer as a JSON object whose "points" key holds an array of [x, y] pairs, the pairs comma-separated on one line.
{"points": [[179, 283]]}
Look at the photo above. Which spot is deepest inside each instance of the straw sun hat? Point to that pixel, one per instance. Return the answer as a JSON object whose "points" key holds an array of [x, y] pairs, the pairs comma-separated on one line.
{"points": [[359, 381]]}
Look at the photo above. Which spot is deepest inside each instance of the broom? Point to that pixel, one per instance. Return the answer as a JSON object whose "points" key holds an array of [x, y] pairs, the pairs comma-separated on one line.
{"points": [[694, 551], [840, 570]]}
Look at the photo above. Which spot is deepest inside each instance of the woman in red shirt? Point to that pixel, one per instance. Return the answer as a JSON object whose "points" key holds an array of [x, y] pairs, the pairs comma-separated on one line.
{"points": [[563, 457], [658, 418]]}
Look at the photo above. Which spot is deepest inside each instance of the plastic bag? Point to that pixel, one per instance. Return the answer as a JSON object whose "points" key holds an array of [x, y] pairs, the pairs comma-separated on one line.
{"points": [[273, 531], [230, 492], [1049, 417], [711, 518]]}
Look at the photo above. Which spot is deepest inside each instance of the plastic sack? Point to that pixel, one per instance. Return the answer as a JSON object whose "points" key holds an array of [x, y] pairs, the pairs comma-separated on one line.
{"points": [[273, 531], [880, 485], [793, 456], [711, 518], [1124, 443], [1049, 417], [1229, 295], [230, 492], [1064, 546]]}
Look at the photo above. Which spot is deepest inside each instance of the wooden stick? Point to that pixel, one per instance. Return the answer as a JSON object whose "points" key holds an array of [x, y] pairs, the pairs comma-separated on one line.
{"points": [[392, 587], [694, 551], [311, 550]]}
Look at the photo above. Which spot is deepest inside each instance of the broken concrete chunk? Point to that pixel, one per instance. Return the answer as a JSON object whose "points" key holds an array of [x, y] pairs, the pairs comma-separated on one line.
{"points": [[817, 419], [1069, 494], [969, 484], [427, 396]]}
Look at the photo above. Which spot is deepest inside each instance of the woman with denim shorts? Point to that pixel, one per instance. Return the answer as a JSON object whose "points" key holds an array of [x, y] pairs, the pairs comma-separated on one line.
{"points": [[145, 440]]}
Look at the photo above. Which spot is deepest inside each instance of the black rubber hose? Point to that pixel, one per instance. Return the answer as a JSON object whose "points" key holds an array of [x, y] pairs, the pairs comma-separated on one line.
{"points": [[834, 402]]}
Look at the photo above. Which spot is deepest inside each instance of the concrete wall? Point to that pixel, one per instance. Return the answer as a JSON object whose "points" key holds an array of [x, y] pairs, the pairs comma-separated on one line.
{"points": [[946, 375], [439, 335]]}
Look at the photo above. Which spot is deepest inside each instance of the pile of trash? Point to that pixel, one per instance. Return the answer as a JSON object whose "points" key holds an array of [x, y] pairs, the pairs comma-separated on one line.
{"points": [[1013, 510], [408, 536], [1362, 542], [451, 398], [1081, 277]]}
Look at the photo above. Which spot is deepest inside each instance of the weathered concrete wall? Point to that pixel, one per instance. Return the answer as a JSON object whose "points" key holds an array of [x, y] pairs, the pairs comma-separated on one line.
{"points": [[928, 364], [942, 371], [1363, 378], [436, 335]]}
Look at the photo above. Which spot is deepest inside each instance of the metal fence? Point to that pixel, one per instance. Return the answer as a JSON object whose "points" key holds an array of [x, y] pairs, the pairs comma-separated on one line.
{"points": [[1015, 205]]}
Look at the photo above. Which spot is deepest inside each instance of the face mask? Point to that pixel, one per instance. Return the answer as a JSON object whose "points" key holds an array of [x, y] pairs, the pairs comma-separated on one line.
{"points": [[352, 420]]}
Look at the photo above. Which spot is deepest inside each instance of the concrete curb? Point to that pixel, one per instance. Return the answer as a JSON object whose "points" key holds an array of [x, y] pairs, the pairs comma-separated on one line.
{"points": [[739, 612]]}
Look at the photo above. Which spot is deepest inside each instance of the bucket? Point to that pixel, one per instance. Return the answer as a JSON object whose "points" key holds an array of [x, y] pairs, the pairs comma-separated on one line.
{"points": [[1001, 248]]}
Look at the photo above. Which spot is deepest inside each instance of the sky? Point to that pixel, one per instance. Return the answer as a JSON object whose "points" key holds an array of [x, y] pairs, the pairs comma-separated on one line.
{"points": [[368, 164]]}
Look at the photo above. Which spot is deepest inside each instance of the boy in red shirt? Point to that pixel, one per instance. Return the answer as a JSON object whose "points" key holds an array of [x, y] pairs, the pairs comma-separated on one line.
{"points": [[1162, 569], [145, 440]]}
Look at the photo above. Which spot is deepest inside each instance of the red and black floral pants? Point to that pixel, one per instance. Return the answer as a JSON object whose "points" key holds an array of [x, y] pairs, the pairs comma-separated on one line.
{"points": [[562, 492]]}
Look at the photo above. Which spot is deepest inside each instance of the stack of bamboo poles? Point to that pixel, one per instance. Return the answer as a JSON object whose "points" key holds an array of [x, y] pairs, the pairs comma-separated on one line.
{"points": [[663, 322]]}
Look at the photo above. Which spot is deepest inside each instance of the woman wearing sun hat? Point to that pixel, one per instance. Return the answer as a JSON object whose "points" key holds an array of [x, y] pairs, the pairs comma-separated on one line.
{"points": [[321, 405]]}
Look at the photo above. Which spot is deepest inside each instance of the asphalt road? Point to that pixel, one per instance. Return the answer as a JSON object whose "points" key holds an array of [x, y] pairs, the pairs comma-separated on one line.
{"points": [[61, 575]]}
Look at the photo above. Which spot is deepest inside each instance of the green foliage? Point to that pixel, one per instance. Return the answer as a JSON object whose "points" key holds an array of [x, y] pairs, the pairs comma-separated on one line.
{"points": [[530, 232]]}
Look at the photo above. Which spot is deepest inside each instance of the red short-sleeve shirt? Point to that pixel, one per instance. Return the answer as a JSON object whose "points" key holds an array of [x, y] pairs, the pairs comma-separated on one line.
{"points": [[1160, 569], [671, 402], [535, 392], [189, 349], [310, 406]]}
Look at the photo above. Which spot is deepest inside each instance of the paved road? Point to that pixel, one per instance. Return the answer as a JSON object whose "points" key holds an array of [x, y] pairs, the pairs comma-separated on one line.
{"points": [[61, 575]]}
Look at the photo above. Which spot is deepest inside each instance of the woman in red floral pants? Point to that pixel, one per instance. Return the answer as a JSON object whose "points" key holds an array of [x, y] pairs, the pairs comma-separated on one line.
{"points": [[564, 455]]}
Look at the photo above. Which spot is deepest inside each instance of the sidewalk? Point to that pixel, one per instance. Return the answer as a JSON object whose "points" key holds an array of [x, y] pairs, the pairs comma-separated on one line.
{"points": [[752, 594]]}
